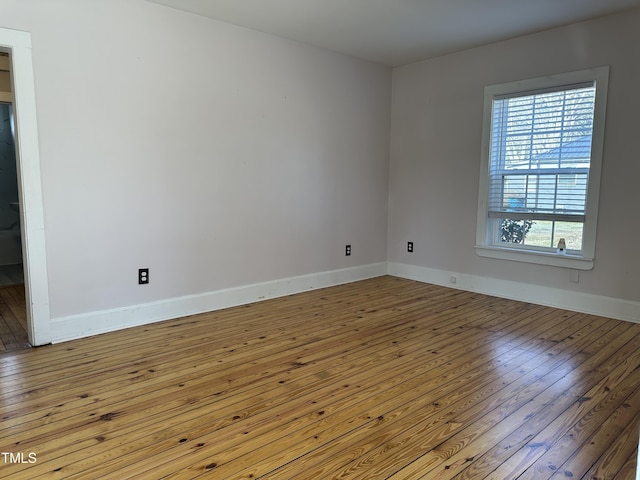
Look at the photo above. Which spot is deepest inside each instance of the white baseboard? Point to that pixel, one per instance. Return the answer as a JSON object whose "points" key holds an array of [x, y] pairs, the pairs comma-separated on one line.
{"points": [[93, 323], [575, 301]]}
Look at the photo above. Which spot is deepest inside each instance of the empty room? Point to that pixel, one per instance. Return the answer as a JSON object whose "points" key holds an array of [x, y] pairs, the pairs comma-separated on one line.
{"points": [[305, 239]]}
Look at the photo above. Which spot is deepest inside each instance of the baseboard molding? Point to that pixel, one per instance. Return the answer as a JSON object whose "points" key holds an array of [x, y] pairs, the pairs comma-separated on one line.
{"points": [[93, 323], [575, 301]]}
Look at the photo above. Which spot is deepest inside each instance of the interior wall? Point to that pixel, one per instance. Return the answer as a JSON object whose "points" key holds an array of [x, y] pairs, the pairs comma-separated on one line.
{"points": [[10, 250], [5, 77], [5, 82], [213, 155], [436, 134], [220, 157]]}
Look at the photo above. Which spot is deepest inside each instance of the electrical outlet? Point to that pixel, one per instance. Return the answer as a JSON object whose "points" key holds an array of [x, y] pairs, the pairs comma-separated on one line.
{"points": [[143, 276], [410, 247], [347, 250]]}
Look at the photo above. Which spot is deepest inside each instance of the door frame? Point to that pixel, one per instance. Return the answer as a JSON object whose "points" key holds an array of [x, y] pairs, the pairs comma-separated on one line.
{"points": [[36, 280]]}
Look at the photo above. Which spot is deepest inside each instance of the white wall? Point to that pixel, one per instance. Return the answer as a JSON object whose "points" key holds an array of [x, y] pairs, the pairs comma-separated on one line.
{"points": [[435, 160], [226, 159], [216, 156]]}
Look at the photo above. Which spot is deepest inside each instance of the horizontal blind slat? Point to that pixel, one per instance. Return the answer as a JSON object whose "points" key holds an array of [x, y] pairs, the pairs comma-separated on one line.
{"points": [[540, 152], [574, 218]]}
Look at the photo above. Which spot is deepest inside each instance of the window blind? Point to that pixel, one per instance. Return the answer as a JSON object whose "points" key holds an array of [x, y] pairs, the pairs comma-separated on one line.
{"points": [[540, 153]]}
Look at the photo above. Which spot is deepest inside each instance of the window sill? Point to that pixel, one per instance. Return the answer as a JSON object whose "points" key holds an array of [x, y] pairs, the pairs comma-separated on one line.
{"points": [[541, 258]]}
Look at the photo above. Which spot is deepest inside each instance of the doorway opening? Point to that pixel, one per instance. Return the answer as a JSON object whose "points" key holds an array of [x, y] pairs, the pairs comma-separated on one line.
{"points": [[13, 312], [17, 45]]}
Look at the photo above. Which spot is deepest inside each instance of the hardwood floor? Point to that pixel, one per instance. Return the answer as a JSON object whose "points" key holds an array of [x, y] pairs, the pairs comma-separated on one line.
{"points": [[384, 378], [13, 318]]}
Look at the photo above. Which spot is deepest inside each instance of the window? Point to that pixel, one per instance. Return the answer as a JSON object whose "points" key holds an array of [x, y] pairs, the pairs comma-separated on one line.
{"points": [[541, 158]]}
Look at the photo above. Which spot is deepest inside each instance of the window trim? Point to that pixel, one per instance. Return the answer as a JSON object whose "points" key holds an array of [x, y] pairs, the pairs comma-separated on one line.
{"points": [[484, 243]]}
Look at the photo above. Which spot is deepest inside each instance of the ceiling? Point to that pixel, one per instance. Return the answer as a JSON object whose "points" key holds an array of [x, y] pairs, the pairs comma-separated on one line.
{"points": [[397, 32]]}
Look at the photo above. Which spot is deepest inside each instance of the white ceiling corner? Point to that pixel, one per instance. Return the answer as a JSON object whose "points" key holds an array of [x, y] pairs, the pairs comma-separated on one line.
{"points": [[397, 32]]}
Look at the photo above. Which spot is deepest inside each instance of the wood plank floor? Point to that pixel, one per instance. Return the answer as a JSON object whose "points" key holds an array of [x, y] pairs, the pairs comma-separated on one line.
{"points": [[13, 318], [384, 378]]}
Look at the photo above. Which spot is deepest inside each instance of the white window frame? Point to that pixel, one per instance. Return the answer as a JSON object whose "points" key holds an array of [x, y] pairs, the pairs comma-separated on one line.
{"points": [[485, 245]]}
